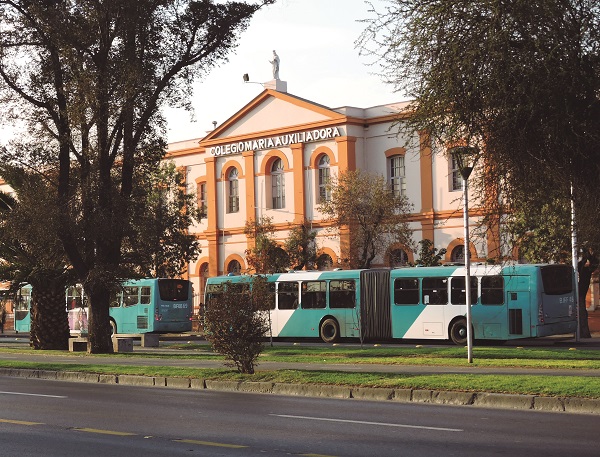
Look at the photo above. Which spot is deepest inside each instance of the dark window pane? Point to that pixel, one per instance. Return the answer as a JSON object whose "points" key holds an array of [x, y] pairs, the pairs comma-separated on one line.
{"points": [[435, 291], [406, 291]]}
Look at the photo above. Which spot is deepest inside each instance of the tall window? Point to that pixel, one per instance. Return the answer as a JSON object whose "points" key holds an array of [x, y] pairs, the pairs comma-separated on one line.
{"points": [[201, 197], [458, 254], [398, 258], [456, 183], [397, 175], [324, 192], [234, 267], [278, 185], [324, 262], [234, 192]]}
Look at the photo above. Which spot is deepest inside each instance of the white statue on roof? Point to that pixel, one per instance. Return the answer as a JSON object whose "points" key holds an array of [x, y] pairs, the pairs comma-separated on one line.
{"points": [[275, 64]]}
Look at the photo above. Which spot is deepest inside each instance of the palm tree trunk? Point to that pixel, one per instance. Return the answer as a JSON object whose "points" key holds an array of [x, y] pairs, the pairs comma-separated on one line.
{"points": [[49, 319]]}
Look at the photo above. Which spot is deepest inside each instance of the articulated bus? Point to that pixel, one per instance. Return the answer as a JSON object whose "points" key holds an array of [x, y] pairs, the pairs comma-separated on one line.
{"points": [[141, 306], [508, 302]]}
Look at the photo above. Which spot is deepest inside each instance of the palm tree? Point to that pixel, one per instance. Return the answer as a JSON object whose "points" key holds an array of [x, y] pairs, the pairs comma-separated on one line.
{"points": [[31, 253]]}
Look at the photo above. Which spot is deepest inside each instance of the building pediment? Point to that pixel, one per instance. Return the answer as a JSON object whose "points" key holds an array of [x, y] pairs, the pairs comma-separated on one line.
{"points": [[272, 114]]}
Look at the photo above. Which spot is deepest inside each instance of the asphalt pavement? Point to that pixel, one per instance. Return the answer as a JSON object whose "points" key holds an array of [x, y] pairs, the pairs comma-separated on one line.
{"points": [[482, 399]]}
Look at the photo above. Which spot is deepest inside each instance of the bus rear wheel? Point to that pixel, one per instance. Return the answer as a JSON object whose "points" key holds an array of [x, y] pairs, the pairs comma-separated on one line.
{"points": [[329, 331], [458, 332]]}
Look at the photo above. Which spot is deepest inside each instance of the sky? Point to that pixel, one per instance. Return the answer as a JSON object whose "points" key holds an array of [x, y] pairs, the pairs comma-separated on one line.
{"points": [[318, 59]]}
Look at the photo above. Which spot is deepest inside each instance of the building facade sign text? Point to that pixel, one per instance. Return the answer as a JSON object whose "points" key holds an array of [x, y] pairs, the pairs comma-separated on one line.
{"points": [[275, 141]]}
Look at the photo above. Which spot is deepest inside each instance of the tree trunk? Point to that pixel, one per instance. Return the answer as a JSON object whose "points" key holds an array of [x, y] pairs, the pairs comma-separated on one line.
{"points": [[49, 319], [100, 341]]}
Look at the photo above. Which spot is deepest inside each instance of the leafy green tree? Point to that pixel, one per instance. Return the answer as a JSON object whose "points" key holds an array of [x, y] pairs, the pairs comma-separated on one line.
{"points": [[429, 255], [519, 80], [375, 216], [89, 78], [301, 247], [266, 256], [159, 243], [236, 320]]}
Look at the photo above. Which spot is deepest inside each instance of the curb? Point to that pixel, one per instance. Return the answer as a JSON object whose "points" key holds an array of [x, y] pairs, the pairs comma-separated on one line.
{"points": [[455, 398]]}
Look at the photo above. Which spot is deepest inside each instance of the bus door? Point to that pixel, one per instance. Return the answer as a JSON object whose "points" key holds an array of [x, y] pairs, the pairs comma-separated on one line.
{"points": [[438, 311], [22, 322], [127, 321], [343, 306], [288, 298], [173, 309], [518, 300], [144, 312], [489, 316], [77, 310]]}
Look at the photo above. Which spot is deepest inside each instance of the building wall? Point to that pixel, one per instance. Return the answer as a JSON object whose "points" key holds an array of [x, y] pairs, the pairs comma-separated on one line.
{"points": [[365, 140]]}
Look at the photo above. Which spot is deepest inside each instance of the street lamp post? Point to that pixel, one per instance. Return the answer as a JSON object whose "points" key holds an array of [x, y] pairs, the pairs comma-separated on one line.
{"points": [[465, 158]]}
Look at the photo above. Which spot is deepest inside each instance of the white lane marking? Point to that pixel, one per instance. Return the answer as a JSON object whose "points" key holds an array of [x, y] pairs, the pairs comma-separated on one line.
{"points": [[32, 395], [385, 424]]}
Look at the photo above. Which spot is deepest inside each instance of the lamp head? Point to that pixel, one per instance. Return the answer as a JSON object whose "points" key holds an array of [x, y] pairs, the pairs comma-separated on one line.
{"points": [[466, 158], [246, 77]]}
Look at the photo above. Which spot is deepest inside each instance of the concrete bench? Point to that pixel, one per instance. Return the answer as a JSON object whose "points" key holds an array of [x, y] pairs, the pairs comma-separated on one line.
{"points": [[149, 340], [122, 344], [78, 344]]}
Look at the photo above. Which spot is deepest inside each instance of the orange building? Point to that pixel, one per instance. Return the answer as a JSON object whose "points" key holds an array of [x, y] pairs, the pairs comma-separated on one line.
{"points": [[272, 158]]}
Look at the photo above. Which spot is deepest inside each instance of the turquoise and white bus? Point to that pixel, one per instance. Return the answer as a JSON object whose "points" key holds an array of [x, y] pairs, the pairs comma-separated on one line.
{"points": [[508, 302], [141, 306]]}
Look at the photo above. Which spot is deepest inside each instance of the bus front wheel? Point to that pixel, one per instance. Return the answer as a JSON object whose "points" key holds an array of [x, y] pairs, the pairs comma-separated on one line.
{"points": [[113, 328], [329, 331], [458, 332]]}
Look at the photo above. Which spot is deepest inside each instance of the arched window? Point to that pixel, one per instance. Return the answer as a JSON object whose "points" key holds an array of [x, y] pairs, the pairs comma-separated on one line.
{"points": [[234, 192], [397, 175], [234, 268], [278, 184], [324, 192], [458, 254], [398, 258], [324, 262]]}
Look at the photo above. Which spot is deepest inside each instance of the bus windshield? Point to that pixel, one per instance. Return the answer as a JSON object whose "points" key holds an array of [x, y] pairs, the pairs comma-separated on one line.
{"points": [[173, 289]]}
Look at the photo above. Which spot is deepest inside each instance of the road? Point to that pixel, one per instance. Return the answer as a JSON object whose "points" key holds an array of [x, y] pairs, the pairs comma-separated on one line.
{"points": [[52, 418]]}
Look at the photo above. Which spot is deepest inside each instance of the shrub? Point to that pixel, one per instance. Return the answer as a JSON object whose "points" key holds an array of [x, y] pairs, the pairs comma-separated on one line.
{"points": [[236, 320]]}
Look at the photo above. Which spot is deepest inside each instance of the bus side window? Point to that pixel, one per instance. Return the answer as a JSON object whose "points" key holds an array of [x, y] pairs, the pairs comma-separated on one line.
{"points": [[458, 294], [287, 295], [435, 291], [342, 294], [492, 290], [130, 296], [406, 291], [115, 299], [314, 295], [145, 295]]}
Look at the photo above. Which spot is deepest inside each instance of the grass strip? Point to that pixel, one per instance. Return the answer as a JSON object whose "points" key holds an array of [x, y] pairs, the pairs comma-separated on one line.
{"points": [[559, 386], [500, 357]]}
